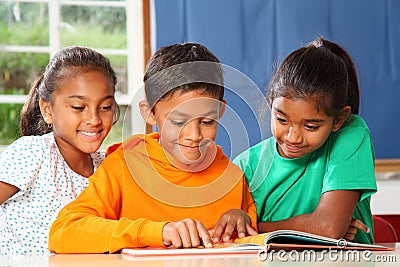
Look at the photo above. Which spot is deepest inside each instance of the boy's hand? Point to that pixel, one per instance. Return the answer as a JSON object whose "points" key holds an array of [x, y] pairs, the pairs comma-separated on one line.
{"points": [[234, 220], [186, 233], [353, 227]]}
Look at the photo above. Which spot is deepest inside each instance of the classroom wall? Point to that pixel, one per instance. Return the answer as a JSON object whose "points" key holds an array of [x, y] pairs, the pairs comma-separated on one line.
{"points": [[252, 36]]}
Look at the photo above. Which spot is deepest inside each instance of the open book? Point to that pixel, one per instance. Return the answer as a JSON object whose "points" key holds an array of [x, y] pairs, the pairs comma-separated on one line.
{"points": [[290, 239], [278, 240], [217, 249]]}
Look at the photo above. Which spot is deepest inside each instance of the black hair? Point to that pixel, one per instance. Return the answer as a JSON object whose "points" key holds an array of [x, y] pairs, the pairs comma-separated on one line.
{"points": [[185, 67], [74, 59], [321, 69]]}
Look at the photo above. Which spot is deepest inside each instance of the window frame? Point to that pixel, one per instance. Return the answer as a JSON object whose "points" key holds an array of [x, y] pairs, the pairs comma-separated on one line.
{"points": [[137, 21]]}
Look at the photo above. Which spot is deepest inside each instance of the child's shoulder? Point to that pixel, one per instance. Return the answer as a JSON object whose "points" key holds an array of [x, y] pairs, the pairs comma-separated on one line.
{"points": [[31, 144], [354, 125], [133, 143], [264, 146], [356, 121], [22, 158], [353, 135], [252, 155]]}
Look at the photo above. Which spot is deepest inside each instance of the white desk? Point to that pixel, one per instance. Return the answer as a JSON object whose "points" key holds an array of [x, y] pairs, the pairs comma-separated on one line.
{"points": [[375, 259]]}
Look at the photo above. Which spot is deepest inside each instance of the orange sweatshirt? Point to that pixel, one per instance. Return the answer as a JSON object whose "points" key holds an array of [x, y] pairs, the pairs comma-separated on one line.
{"points": [[136, 191]]}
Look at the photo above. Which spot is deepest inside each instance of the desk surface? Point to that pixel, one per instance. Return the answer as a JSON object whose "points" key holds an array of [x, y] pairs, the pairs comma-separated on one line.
{"points": [[335, 258]]}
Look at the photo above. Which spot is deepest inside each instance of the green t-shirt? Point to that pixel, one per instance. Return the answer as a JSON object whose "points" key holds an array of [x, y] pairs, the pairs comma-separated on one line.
{"points": [[283, 188]]}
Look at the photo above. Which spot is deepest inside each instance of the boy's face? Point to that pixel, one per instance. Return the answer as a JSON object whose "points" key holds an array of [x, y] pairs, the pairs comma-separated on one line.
{"points": [[188, 125]]}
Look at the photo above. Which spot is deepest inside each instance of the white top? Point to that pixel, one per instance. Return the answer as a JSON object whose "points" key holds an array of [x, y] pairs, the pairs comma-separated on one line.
{"points": [[35, 165]]}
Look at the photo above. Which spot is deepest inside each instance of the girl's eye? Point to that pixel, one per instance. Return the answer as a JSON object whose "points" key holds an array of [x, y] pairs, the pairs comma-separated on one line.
{"points": [[106, 108], [78, 107], [311, 127]]}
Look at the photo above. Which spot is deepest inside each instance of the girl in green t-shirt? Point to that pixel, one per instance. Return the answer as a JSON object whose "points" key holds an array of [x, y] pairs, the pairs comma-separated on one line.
{"points": [[316, 174]]}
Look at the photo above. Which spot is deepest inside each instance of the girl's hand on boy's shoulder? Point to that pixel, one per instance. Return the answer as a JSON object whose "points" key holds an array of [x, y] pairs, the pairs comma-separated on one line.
{"points": [[186, 233], [234, 221]]}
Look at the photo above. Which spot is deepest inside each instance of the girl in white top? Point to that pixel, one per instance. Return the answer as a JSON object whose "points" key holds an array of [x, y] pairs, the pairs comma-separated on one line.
{"points": [[69, 112]]}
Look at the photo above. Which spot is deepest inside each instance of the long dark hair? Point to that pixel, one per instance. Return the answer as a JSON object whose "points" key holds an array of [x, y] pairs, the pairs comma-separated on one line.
{"points": [[78, 58], [322, 69]]}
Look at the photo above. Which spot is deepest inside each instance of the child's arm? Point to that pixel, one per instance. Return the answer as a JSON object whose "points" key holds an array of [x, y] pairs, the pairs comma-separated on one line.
{"points": [[331, 218], [7, 191], [24, 152], [92, 222]]}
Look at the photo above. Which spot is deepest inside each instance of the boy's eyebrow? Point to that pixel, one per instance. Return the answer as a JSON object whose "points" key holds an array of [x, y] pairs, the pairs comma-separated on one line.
{"points": [[279, 111], [307, 120], [182, 114]]}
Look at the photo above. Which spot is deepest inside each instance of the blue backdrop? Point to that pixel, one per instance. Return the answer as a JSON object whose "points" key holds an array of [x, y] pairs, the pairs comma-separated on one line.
{"points": [[253, 36]]}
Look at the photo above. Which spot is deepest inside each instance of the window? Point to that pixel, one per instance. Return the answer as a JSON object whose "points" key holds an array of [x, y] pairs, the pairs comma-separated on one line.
{"points": [[31, 31]]}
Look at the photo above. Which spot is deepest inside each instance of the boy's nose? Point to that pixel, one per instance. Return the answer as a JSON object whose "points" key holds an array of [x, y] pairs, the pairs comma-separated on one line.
{"points": [[192, 131]]}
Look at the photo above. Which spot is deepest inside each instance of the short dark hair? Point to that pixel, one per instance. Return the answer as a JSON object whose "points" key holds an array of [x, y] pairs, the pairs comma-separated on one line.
{"points": [[185, 67]]}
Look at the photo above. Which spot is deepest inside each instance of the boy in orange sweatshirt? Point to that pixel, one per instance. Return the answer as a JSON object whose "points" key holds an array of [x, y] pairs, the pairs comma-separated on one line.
{"points": [[174, 187]]}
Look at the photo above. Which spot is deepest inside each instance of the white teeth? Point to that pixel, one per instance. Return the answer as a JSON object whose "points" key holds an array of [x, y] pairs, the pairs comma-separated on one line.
{"points": [[87, 133]]}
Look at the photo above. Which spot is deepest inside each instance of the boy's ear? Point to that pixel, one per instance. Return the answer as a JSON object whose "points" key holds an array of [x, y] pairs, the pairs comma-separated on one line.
{"points": [[147, 113], [344, 114], [45, 109], [222, 108]]}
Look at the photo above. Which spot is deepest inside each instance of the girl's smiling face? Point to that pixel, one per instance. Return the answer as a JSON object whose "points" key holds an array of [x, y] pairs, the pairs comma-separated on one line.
{"points": [[299, 127], [82, 112]]}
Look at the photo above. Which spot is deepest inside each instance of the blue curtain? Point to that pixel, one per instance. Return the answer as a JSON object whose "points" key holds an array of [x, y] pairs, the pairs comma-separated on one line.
{"points": [[253, 36]]}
